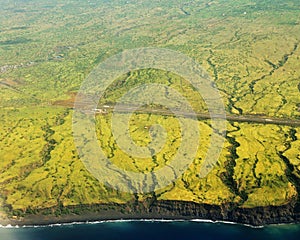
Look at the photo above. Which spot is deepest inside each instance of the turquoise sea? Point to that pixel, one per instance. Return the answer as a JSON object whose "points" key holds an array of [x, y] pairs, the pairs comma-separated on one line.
{"points": [[114, 230]]}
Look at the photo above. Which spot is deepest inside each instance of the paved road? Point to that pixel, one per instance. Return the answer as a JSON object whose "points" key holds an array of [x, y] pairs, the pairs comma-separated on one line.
{"points": [[233, 118]]}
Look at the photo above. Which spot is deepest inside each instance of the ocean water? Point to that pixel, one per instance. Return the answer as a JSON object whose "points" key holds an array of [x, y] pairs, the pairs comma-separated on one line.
{"points": [[123, 230]]}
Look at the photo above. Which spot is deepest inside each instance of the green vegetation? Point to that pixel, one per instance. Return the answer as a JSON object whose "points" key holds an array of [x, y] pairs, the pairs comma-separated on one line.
{"points": [[47, 48], [46, 172], [152, 76]]}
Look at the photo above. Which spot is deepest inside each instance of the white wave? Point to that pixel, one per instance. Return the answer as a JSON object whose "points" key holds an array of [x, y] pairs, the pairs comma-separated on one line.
{"points": [[202, 220], [6, 226], [129, 220], [226, 222]]}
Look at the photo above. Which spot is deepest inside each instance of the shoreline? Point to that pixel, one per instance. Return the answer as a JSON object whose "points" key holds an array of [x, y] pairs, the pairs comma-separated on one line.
{"points": [[9, 226], [163, 211]]}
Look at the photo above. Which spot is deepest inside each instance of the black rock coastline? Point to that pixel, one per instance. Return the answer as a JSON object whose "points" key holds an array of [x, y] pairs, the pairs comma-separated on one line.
{"points": [[159, 209]]}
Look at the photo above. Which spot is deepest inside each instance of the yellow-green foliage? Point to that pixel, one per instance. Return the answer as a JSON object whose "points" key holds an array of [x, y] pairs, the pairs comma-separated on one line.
{"points": [[18, 158], [18, 128], [154, 76], [259, 171], [293, 152], [30, 182], [27, 181], [253, 58], [140, 125], [189, 187]]}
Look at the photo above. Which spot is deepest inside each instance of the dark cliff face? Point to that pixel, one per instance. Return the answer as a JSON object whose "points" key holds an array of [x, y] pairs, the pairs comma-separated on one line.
{"points": [[253, 216], [160, 209]]}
